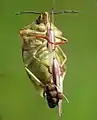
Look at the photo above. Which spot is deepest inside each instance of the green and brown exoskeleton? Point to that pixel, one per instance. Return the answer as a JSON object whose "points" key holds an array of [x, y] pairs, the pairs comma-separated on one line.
{"points": [[35, 56]]}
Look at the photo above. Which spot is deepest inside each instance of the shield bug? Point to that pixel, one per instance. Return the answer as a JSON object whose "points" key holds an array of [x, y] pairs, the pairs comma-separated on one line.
{"points": [[44, 60]]}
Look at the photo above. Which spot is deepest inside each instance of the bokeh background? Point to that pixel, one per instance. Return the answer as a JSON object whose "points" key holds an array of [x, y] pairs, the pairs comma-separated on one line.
{"points": [[18, 98]]}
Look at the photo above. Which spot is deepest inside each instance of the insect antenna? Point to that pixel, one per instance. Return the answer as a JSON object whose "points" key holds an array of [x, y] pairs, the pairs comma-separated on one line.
{"points": [[67, 11], [27, 12]]}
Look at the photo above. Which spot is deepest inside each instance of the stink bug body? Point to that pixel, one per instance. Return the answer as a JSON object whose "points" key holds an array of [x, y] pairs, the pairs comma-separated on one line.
{"points": [[44, 60]]}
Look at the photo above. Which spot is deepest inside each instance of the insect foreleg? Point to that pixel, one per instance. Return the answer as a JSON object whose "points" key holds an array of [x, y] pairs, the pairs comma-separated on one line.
{"points": [[31, 33]]}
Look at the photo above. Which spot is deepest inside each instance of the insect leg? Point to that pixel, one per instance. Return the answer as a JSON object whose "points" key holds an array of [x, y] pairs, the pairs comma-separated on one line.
{"points": [[33, 77], [30, 34], [63, 40], [63, 55], [38, 84]]}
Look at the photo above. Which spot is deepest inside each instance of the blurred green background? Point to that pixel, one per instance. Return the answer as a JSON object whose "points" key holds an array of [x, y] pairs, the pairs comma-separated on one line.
{"points": [[18, 98]]}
